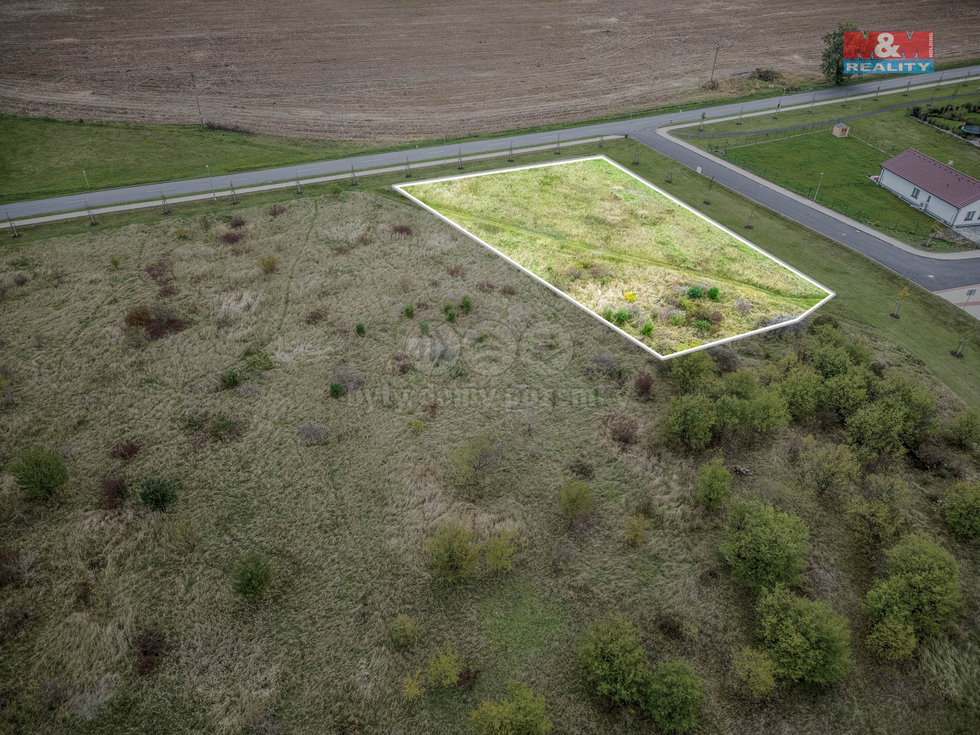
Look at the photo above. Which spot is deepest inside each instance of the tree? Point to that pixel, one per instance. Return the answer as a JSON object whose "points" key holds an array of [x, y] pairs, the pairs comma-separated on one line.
{"points": [[690, 421], [826, 466], [961, 509], [832, 61], [804, 639], [674, 696], [765, 412], [764, 546], [876, 514], [521, 712], [614, 661], [801, 391], [692, 373], [714, 483]]}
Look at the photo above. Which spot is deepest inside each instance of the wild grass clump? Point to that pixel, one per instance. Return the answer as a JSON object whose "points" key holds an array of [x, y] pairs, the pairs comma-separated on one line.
{"points": [[466, 304], [764, 546], [499, 550], [951, 669], [805, 640], [231, 238], [269, 264], [275, 210], [521, 712], [125, 450], [452, 553], [918, 597], [636, 528], [157, 493], [38, 472], [643, 384], [158, 271], [337, 390], [348, 377], [475, 468], [253, 576], [409, 310], [314, 317], [155, 322], [575, 500], [449, 309], [624, 429], [230, 379], [207, 426], [237, 223], [456, 271], [313, 433], [604, 366], [20, 280], [403, 631]]}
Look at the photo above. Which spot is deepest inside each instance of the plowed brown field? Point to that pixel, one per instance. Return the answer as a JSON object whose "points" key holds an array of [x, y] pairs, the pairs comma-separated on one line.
{"points": [[378, 69]]}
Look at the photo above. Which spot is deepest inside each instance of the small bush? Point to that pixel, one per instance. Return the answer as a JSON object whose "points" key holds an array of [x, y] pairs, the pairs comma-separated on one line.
{"points": [[452, 553], [403, 631], [409, 310], [961, 509], [623, 429], [230, 379], [828, 466], [690, 421], [466, 304], [643, 384], [804, 639], [124, 450], [800, 388], [159, 271], [647, 329], [403, 230], [450, 311], [157, 493], [253, 576], [275, 210], [499, 551], [359, 329], [413, 686], [714, 483], [150, 646], [521, 712], [313, 433], [695, 292], [674, 696], [702, 325], [765, 412], [876, 514], [919, 596], [424, 328], [237, 223], [636, 527], [474, 468], [756, 672], [444, 668], [337, 390], [156, 321], [741, 384], [112, 492], [964, 430], [764, 546], [613, 660], [575, 500], [38, 472], [714, 293], [269, 264], [231, 238], [692, 373]]}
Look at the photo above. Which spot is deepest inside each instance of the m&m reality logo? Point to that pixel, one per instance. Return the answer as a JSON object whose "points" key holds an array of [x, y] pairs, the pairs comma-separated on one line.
{"points": [[889, 52]]}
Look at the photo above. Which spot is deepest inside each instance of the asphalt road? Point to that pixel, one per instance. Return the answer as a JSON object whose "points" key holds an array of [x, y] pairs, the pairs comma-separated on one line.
{"points": [[930, 273]]}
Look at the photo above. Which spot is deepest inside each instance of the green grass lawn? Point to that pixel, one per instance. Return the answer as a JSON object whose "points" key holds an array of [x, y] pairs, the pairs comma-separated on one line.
{"points": [[624, 251], [795, 160]]}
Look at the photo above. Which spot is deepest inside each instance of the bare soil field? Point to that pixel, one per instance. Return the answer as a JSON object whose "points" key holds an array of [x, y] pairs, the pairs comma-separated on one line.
{"points": [[386, 70]]}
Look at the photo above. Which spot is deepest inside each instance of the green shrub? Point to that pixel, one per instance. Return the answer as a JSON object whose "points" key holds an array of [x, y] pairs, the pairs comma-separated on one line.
{"points": [[466, 304], [764, 546], [756, 672], [800, 388], [409, 310], [695, 292], [403, 631], [714, 293], [612, 657], [674, 696], [647, 329], [714, 483], [893, 422], [452, 553], [964, 430], [157, 493], [765, 412], [499, 551], [38, 472], [337, 390], [741, 384], [576, 500], [691, 373], [730, 413], [450, 311], [961, 509], [804, 639], [269, 264], [444, 667], [253, 576], [618, 317], [413, 686], [636, 527], [424, 328], [230, 379], [359, 329], [830, 360], [690, 421], [702, 325], [877, 513], [847, 392], [827, 466], [521, 712], [921, 592]]}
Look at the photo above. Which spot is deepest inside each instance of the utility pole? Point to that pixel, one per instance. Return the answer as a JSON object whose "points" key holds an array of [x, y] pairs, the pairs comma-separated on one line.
{"points": [[165, 203], [234, 194], [299, 189], [13, 227], [739, 121], [719, 45], [214, 197], [353, 177], [408, 168], [86, 178], [91, 215], [812, 98], [818, 187]]}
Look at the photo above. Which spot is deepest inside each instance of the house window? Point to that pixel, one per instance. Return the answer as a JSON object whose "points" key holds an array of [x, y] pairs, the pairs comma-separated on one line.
{"points": [[969, 216], [915, 192]]}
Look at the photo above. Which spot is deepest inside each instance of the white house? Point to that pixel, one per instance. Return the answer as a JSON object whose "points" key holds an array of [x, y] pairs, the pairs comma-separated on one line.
{"points": [[935, 188]]}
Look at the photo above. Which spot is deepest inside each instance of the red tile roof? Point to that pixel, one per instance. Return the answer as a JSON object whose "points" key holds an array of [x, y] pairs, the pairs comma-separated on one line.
{"points": [[934, 177]]}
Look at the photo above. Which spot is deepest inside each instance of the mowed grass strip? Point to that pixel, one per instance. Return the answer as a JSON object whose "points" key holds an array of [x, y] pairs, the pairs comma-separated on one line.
{"points": [[615, 244]]}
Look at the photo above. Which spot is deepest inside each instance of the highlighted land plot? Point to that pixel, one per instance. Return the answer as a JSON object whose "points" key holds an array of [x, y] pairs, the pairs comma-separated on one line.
{"points": [[655, 270]]}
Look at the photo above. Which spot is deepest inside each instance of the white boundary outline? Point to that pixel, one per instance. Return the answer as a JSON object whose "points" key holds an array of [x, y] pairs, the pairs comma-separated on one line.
{"points": [[400, 188]]}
